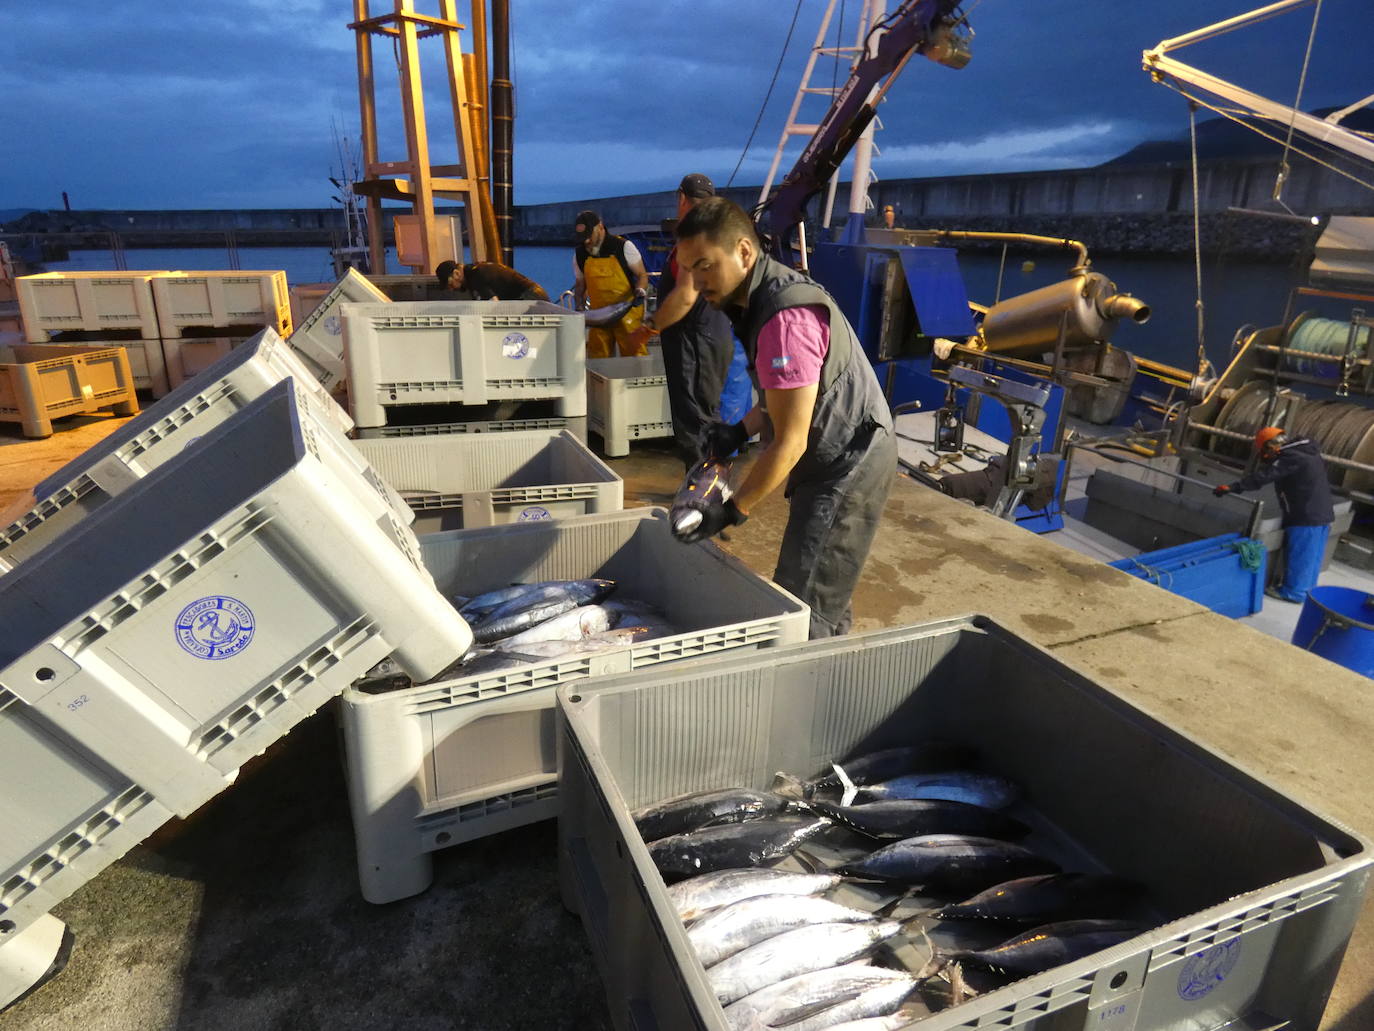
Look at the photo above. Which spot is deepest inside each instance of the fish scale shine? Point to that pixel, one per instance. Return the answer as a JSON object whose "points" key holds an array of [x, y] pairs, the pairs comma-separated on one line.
{"points": [[795, 952]]}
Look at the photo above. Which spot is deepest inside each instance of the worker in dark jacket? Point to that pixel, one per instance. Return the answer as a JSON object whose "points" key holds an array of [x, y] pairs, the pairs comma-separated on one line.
{"points": [[697, 343], [1298, 473], [831, 433], [489, 280]]}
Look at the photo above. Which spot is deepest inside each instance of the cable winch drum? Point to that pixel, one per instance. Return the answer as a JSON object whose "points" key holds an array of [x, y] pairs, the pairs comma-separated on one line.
{"points": [[1308, 334], [1338, 428], [1089, 305]]}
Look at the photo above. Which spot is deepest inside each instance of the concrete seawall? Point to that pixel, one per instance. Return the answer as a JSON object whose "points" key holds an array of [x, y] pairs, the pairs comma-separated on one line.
{"points": [[1126, 208]]}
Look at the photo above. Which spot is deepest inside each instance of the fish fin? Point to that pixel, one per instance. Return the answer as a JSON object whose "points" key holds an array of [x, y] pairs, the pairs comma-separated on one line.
{"points": [[459, 600], [962, 991], [937, 962], [787, 786], [850, 789], [809, 862]]}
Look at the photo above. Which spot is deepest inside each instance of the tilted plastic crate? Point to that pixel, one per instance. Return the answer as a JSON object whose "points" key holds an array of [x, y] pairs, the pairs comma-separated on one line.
{"points": [[187, 357], [1211, 572], [43, 382], [318, 337], [462, 352], [181, 629], [1256, 895], [87, 302], [468, 480], [237, 297], [576, 426], [178, 421], [627, 399], [466, 756]]}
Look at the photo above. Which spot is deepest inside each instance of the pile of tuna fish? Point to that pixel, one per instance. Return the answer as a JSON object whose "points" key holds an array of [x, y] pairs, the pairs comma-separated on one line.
{"points": [[890, 888], [553, 619]]}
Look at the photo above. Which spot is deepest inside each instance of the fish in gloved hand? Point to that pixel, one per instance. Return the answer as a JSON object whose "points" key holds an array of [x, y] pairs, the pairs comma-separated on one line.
{"points": [[704, 504]]}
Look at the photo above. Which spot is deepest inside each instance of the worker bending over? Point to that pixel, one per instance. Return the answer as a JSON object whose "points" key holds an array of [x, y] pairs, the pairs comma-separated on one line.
{"points": [[488, 280], [1298, 473], [831, 432], [607, 270]]}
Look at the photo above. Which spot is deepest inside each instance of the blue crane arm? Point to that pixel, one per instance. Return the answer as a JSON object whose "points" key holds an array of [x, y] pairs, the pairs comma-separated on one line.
{"points": [[917, 26]]}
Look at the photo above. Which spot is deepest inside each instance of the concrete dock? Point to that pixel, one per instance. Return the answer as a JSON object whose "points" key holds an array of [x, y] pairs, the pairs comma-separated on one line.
{"points": [[248, 916]]}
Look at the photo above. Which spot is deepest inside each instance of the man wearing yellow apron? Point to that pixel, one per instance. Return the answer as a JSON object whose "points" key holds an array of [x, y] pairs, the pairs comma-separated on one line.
{"points": [[607, 270]]}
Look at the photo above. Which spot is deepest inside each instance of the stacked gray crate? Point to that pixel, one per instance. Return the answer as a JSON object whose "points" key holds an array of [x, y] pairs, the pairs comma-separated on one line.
{"points": [[441, 763], [1256, 895], [178, 421], [469, 480], [462, 352], [182, 627]]}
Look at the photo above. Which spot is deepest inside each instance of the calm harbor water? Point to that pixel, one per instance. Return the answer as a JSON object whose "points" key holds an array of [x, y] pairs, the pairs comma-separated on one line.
{"points": [[1234, 293]]}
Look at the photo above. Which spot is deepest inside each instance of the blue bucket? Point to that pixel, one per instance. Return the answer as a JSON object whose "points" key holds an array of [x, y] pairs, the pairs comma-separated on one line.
{"points": [[1336, 624]]}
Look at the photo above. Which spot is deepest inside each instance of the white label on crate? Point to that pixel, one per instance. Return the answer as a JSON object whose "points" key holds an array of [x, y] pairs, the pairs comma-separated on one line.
{"points": [[333, 325], [515, 345], [534, 512], [1206, 970], [215, 627]]}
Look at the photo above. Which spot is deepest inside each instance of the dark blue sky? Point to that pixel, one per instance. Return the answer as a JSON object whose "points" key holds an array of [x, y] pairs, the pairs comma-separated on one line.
{"points": [[153, 105]]}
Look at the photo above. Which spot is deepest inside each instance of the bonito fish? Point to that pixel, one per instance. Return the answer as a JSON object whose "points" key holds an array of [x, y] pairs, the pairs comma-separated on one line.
{"points": [[734, 845], [698, 895], [949, 860], [736, 927], [967, 786], [1049, 897], [816, 990], [703, 809], [1051, 945], [534, 607], [879, 1000], [795, 952], [908, 817], [574, 625]]}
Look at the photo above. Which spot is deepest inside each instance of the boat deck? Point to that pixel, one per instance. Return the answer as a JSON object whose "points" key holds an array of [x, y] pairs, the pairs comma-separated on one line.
{"points": [[248, 916]]}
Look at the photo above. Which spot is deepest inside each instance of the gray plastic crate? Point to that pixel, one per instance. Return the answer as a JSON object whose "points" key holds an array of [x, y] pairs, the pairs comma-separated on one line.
{"points": [[577, 427], [627, 399], [1258, 895], [180, 630], [442, 763], [462, 352], [467, 480], [179, 420], [318, 337]]}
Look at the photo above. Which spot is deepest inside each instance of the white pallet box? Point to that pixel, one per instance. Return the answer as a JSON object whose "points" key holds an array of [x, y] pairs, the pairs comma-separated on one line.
{"points": [[239, 297], [305, 298], [576, 426], [318, 337], [441, 763], [187, 357], [182, 629], [87, 302], [627, 399], [147, 363], [183, 417], [1250, 897], [462, 352], [468, 480]]}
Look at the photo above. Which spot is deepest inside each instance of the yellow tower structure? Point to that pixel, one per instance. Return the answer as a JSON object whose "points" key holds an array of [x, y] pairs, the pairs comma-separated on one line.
{"points": [[415, 179]]}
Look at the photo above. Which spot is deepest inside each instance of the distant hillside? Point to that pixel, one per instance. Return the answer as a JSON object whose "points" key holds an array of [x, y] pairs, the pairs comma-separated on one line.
{"points": [[1223, 138], [10, 214]]}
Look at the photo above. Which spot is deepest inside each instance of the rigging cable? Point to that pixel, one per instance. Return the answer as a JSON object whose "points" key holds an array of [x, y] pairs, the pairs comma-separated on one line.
{"points": [[1297, 103], [767, 96], [1202, 362]]}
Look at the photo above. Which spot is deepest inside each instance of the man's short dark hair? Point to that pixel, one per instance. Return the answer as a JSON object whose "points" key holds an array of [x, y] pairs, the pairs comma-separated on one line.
{"points": [[721, 221], [443, 272]]}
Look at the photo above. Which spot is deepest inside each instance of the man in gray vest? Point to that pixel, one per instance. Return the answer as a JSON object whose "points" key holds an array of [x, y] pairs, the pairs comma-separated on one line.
{"points": [[831, 433]]}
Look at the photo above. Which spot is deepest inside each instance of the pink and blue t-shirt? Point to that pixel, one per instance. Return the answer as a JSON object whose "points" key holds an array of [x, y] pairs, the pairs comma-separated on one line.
{"points": [[792, 346]]}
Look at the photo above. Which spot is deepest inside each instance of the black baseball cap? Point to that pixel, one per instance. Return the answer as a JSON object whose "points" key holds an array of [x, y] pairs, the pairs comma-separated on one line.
{"points": [[696, 186], [586, 222], [445, 270]]}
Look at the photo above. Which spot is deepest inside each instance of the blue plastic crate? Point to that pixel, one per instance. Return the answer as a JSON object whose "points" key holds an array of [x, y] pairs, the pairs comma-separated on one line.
{"points": [[1211, 572]]}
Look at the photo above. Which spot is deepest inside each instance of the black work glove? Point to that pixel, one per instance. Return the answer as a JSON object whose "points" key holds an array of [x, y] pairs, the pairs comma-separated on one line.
{"points": [[712, 522], [723, 439], [1221, 490]]}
